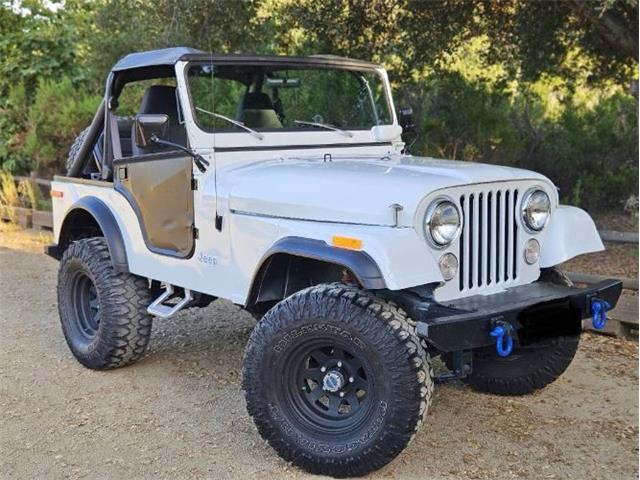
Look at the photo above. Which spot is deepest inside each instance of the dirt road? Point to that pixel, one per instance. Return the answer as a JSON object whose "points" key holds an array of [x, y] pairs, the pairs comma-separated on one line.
{"points": [[179, 413]]}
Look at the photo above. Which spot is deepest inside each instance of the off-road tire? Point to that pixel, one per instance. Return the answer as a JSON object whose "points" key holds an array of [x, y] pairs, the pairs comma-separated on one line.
{"points": [[373, 330], [528, 368], [74, 164], [121, 326]]}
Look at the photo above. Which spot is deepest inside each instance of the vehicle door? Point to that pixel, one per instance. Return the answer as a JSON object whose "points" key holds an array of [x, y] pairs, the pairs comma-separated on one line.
{"points": [[157, 180]]}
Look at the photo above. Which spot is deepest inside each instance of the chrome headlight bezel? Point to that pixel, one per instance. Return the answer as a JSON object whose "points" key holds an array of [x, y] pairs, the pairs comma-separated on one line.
{"points": [[524, 214], [428, 222]]}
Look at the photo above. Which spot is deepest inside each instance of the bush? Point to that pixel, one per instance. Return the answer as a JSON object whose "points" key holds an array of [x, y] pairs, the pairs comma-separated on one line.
{"points": [[585, 141], [59, 113], [589, 151], [460, 119], [9, 195], [25, 194], [13, 121], [31, 196]]}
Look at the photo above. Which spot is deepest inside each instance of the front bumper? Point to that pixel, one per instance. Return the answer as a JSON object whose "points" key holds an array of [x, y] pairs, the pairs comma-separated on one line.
{"points": [[537, 310]]}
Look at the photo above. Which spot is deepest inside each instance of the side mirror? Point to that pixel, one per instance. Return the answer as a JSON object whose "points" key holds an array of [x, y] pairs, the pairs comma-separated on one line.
{"points": [[386, 133], [405, 119], [148, 125]]}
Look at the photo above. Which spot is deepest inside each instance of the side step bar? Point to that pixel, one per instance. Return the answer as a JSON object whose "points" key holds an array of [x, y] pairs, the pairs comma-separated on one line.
{"points": [[160, 310]]}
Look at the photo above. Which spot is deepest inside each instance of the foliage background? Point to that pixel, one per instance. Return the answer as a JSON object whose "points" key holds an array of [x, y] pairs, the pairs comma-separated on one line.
{"points": [[550, 86]]}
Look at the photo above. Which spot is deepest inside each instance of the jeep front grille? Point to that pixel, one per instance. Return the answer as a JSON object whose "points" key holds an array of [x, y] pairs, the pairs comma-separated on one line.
{"points": [[489, 239]]}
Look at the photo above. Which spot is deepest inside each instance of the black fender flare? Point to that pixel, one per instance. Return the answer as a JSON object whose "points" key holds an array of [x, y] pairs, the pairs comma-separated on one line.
{"points": [[363, 267], [108, 225]]}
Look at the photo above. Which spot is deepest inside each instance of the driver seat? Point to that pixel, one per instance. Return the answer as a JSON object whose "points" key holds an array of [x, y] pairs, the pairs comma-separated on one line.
{"points": [[161, 99], [257, 111]]}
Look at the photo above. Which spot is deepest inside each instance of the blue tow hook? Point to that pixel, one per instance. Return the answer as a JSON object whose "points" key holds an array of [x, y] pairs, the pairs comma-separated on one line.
{"points": [[504, 340], [599, 309]]}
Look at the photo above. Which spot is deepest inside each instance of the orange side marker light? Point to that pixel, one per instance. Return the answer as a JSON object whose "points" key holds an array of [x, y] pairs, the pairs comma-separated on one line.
{"points": [[57, 193], [349, 243]]}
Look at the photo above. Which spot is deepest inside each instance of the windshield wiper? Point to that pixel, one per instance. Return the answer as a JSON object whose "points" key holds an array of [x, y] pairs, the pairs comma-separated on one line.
{"points": [[258, 135], [324, 125]]}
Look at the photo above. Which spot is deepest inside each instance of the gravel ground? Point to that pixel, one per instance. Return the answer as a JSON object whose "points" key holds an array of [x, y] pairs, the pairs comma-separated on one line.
{"points": [[179, 413], [619, 259]]}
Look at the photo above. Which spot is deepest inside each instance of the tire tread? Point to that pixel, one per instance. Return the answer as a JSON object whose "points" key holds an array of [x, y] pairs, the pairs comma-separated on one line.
{"points": [[331, 300], [125, 325]]}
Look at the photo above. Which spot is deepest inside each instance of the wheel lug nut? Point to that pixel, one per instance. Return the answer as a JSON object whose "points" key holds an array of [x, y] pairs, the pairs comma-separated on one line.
{"points": [[342, 394], [323, 369], [351, 379], [339, 364]]}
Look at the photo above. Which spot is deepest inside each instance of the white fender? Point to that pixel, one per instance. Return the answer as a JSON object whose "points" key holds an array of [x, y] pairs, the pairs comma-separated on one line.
{"points": [[571, 233], [403, 257]]}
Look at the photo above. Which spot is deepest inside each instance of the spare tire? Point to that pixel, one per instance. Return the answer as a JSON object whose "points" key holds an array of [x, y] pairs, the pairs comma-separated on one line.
{"points": [[75, 165]]}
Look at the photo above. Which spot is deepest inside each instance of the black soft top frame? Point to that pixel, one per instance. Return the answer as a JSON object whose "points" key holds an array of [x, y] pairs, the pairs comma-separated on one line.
{"points": [[161, 63], [170, 56]]}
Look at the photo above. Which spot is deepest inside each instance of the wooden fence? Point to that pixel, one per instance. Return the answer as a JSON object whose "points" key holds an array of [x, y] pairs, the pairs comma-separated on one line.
{"points": [[30, 217]]}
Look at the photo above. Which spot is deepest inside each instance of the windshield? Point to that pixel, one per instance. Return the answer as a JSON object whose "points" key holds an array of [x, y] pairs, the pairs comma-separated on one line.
{"points": [[291, 97]]}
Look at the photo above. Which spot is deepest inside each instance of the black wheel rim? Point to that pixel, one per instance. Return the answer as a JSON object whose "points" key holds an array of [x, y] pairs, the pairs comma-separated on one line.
{"points": [[86, 306], [328, 386]]}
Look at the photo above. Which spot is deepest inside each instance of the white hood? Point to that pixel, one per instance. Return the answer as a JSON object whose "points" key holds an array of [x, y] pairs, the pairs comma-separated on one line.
{"points": [[354, 190]]}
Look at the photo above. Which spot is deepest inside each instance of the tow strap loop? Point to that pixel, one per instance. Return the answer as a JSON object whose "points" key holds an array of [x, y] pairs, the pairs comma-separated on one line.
{"points": [[504, 341], [599, 309]]}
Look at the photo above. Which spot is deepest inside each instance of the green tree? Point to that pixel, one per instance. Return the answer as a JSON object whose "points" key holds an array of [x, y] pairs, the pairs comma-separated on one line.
{"points": [[534, 37], [539, 36], [110, 29], [37, 42]]}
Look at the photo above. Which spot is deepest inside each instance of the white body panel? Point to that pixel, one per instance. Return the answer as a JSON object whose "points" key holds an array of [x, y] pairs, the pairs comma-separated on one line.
{"points": [[352, 189], [224, 263], [285, 185], [571, 233]]}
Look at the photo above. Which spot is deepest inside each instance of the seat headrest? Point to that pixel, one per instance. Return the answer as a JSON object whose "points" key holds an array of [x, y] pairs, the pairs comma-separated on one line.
{"points": [[256, 101], [160, 99]]}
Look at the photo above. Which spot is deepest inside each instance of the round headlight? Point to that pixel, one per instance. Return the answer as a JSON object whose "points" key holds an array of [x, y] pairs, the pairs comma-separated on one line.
{"points": [[536, 208], [442, 223]]}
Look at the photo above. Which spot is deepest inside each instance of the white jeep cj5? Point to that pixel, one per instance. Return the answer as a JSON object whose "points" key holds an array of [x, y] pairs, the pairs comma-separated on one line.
{"points": [[282, 184]]}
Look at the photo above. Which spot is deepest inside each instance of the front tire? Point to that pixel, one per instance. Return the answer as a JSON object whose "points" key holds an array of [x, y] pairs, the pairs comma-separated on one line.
{"points": [[103, 313], [336, 380]]}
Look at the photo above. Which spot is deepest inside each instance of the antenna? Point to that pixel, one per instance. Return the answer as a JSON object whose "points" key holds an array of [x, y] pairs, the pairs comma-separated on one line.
{"points": [[218, 218]]}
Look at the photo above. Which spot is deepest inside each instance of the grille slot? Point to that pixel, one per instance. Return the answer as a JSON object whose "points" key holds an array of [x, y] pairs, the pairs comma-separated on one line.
{"points": [[489, 239]]}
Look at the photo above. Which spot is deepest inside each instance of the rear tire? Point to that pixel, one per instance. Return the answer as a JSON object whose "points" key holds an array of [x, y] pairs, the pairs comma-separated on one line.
{"points": [[370, 355], [103, 313], [528, 368]]}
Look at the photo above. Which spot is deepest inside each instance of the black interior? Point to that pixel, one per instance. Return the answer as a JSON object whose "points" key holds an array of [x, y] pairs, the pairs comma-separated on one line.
{"points": [[257, 101], [161, 99]]}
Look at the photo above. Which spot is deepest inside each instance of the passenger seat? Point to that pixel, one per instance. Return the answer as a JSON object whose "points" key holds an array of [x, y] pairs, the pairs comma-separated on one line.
{"points": [[161, 99]]}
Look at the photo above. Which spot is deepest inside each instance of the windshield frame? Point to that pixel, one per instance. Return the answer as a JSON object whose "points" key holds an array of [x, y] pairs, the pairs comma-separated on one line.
{"points": [[326, 64]]}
